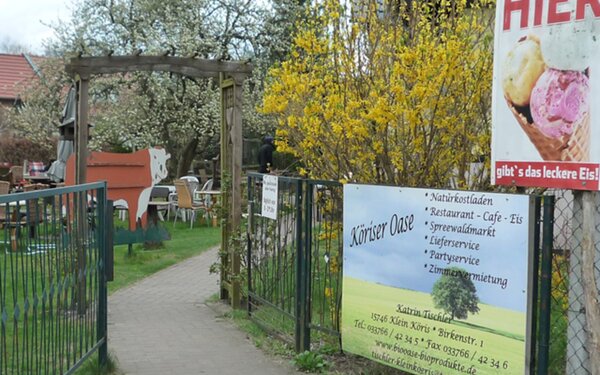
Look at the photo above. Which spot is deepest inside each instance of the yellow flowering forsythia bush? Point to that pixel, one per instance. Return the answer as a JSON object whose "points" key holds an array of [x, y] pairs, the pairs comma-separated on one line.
{"points": [[560, 283], [397, 94]]}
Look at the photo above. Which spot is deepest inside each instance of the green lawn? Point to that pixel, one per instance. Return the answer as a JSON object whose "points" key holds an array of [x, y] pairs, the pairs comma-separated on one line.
{"points": [[184, 243], [498, 334]]}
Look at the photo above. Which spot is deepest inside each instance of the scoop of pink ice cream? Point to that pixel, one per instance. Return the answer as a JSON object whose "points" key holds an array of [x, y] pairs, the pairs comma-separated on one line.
{"points": [[560, 98]]}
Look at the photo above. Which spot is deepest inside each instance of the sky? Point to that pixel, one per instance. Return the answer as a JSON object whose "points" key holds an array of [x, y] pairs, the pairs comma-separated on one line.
{"points": [[22, 21]]}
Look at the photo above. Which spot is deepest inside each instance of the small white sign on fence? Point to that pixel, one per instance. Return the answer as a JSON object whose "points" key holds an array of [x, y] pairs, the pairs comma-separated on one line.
{"points": [[269, 197]]}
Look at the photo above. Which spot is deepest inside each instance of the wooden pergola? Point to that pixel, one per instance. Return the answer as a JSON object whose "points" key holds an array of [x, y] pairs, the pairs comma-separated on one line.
{"points": [[231, 75]]}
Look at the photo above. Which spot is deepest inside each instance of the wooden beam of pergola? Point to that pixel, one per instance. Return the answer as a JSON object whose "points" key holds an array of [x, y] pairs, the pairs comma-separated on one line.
{"points": [[83, 68], [193, 67]]}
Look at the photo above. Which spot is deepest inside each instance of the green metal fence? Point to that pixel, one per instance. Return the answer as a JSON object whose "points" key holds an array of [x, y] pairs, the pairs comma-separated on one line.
{"points": [[53, 298], [324, 252], [294, 262], [294, 271]]}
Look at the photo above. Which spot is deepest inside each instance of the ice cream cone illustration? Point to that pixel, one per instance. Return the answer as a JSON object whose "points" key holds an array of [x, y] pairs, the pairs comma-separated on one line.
{"points": [[550, 105], [574, 147]]}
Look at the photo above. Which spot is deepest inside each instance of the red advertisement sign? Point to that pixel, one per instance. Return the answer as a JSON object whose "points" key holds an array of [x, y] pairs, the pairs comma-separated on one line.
{"points": [[546, 82], [576, 176]]}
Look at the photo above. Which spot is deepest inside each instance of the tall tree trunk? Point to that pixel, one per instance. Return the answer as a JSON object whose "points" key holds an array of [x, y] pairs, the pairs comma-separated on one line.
{"points": [[187, 156]]}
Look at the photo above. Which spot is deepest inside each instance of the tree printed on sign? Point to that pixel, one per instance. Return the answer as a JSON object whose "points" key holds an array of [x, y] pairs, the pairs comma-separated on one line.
{"points": [[455, 293]]}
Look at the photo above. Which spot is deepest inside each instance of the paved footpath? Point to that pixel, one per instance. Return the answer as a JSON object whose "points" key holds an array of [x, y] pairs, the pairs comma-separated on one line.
{"points": [[161, 325]]}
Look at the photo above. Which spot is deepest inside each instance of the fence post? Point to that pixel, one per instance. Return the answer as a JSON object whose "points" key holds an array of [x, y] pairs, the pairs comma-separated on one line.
{"points": [[580, 348], [227, 88], [577, 353], [300, 297], [307, 259], [102, 319], [546, 285], [589, 279], [249, 232], [535, 286]]}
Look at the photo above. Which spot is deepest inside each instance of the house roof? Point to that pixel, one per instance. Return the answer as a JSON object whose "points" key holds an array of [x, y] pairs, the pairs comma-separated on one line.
{"points": [[16, 70]]}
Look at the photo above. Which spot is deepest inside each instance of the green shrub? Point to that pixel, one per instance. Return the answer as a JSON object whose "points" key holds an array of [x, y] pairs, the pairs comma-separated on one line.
{"points": [[16, 150]]}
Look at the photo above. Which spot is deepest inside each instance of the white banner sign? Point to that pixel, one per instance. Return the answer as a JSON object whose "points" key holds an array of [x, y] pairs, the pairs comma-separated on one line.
{"points": [[269, 197], [436, 281]]}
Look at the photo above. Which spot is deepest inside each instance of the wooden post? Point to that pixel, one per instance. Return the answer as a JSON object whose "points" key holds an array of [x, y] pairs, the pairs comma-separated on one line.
{"points": [[584, 256], [226, 120], [81, 131], [236, 191], [81, 139], [231, 186], [589, 280]]}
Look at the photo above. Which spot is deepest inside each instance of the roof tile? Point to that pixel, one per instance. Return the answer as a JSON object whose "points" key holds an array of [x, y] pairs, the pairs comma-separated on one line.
{"points": [[15, 71]]}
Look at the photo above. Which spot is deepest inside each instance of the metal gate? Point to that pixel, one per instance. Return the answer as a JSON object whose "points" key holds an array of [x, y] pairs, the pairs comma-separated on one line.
{"points": [[294, 263], [53, 263]]}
